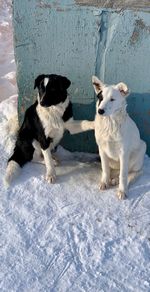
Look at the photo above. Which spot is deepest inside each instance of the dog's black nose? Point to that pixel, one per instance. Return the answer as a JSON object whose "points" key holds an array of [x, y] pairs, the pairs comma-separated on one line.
{"points": [[42, 103], [101, 111]]}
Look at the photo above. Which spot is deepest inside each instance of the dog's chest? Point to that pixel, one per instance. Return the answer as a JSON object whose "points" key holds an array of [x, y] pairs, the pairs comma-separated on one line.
{"points": [[112, 149], [108, 136], [52, 123]]}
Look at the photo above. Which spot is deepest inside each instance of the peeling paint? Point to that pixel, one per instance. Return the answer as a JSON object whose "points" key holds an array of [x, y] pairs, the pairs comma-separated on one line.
{"points": [[140, 23], [60, 9], [42, 4], [18, 19], [139, 27]]}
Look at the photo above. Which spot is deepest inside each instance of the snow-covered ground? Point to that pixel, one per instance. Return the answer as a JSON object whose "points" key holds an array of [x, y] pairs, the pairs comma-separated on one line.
{"points": [[68, 236], [7, 62]]}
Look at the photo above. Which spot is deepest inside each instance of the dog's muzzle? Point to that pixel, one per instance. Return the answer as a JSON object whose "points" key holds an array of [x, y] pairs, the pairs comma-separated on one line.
{"points": [[42, 103]]}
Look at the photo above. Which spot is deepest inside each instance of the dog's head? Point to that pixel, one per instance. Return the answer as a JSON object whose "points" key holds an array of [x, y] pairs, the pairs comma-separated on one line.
{"points": [[52, 89], [111, 98]]}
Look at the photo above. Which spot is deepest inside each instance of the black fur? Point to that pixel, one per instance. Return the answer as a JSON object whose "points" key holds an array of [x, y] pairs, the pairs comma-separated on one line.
{"points": [[100, 97], [31, 129], [38, 80], [54, 93], [68, 113]]}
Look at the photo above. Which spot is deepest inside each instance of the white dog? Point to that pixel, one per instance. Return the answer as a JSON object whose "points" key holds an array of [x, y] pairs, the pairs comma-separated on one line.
{"points": [[117, 136]]}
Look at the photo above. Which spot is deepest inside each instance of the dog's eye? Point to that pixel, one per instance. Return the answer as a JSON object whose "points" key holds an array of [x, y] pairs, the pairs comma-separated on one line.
{"points": [[99, 96], [112, 99]]}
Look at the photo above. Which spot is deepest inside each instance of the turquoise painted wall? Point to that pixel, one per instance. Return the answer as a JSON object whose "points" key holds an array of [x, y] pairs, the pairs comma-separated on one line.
{"points": [[79, 39]]}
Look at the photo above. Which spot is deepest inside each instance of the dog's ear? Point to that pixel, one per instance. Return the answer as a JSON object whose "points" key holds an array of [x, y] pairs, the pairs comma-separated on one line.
{"points": [[65, 82], [38, 80], [123, 88], [97, 84]]}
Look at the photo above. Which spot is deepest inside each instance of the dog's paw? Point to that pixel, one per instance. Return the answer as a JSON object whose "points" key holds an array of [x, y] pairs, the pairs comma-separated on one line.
{"points": [[103, 186], [50, 177], [121, 195], [114, 181]]}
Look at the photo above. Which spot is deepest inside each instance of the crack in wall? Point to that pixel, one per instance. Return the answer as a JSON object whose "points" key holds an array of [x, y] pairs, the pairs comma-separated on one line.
{"points": [[101, 47]]}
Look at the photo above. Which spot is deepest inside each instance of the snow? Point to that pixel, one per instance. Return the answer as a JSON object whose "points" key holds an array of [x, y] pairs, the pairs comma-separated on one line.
{"points": [[7, 64], [67, 236]]}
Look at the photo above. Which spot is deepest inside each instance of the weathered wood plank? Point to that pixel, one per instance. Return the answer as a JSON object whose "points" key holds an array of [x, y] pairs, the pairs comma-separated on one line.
{"points": [[126, 4]]}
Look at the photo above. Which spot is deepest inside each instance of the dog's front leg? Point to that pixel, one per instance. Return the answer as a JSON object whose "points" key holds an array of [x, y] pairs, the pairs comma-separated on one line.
{"points": [[123, 176], [104, 184], [75, 127], [50, 169]]}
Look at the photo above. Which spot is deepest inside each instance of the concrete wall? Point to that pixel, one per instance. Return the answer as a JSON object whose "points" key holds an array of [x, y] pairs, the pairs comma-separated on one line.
{"points": [[79, 39]]}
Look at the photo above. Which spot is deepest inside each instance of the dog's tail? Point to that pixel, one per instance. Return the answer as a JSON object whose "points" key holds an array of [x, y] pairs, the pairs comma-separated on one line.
{"points": [[12, 171], [12, 126]]}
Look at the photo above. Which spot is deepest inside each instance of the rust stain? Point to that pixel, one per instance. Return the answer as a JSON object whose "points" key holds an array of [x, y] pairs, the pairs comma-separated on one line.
{"points": [[135, 36], [139, 27]]}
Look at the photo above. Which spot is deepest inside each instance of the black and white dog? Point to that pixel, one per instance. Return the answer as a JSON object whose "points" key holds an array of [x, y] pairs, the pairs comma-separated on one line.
{"points": [[44, 124]]}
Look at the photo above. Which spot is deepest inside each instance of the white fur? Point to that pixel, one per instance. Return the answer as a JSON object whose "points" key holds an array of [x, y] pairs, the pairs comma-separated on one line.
{"points": [[51, 119], [46, 81], [50, 170], [117, 136], [12, 171], [54, 127], [75, 127]]}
